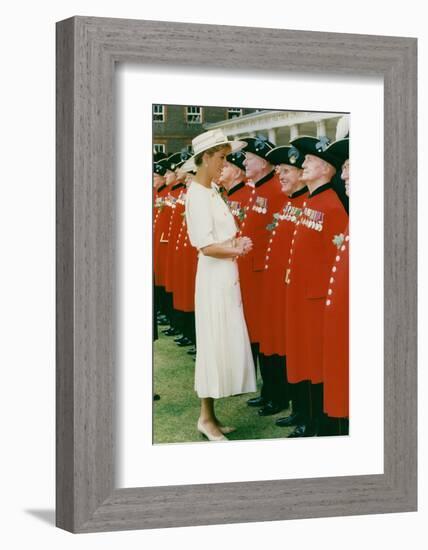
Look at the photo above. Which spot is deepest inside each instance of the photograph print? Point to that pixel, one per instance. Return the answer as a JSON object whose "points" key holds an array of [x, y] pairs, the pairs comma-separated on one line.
{"points": [[250, 274]]}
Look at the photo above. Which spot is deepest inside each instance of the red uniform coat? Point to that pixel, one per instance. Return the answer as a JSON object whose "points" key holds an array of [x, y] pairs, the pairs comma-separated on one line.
{"points": [[336, 334], [175, 220], [158, 204], [310, 261], [162, 228], [237, 199], [185, 264], [266, 198], [158, 226], [274, 287]]}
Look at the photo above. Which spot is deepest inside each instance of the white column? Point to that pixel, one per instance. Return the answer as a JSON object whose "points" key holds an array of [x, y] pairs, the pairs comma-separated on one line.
{"points": [[272, 135], [294, 131], [321, 129]]}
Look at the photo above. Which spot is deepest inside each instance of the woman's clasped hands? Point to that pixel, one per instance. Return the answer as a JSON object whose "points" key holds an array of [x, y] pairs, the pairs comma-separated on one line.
{"points": [[244, 245]]}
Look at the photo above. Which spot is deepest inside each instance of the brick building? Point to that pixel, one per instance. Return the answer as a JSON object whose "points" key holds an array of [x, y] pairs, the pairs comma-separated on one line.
{"points": [[174, 126]]}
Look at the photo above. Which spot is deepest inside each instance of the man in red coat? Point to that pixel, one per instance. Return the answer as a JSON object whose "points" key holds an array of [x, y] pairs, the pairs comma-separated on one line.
{"points": [[336, 323], [277, 390], [160, 191], [160, 244], [178, 319], [310, 259], [266, 198], [233, 179]]}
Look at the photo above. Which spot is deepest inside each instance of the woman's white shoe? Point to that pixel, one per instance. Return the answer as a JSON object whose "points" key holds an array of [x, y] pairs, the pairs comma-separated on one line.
{"points": [[209, 436], [227, 429]]}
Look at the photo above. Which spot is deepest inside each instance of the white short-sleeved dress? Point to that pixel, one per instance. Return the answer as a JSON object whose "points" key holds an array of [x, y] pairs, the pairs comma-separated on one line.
{"points": [[224, 363]]}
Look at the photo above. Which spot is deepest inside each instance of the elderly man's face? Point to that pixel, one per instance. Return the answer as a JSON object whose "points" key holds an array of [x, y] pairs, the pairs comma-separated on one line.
{"points": [[170, 177], [158, 180], [254, 166], [345, 175], [230, 174], [289, 176], [227, 173], [180, 174], [314, 168]]}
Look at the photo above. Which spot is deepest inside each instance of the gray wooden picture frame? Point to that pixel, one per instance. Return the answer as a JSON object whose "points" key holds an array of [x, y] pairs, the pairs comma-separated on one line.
{"points": [[87, 50]]}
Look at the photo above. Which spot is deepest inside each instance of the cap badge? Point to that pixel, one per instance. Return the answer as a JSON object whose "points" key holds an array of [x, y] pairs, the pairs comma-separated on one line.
{"points": [[260, 143], [293, 155], [322, 144]]}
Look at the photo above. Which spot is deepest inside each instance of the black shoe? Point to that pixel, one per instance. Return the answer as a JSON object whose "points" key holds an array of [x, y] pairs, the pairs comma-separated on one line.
{"points": [[304, 430], [179, 338], [256, 402], [171, 332], [271, 408], [162, 320], [191, 351], [156, 397], [291, 420], [184, 342], [163, 323]]}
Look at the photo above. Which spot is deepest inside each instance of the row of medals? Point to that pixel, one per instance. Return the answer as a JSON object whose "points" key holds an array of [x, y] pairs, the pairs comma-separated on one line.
{"points": [[170, 201], [260, 205], [181, 198], [290, 213], [235, 207], [313, 219]]}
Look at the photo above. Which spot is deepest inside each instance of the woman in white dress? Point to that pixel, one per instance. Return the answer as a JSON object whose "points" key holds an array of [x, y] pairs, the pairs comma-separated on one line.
{"points": [[224, 363]]}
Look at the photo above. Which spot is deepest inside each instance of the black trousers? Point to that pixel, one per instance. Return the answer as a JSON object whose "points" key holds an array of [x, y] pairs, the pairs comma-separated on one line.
{"points": [[188, 325], [255, 350], [275, 386], [307, 400], [160, 300]]}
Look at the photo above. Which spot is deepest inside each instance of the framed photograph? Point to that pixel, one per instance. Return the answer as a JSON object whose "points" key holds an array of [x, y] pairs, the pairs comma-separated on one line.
{"points": [[112, 94]]}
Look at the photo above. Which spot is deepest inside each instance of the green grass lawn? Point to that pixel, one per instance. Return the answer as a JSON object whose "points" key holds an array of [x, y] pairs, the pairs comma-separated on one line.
{"points": [[176, 413]]}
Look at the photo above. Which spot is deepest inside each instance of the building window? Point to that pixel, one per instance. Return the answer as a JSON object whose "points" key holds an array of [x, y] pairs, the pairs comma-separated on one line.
{"points": [[194, 115], [159, 148], [158, 113], [233, 113]]}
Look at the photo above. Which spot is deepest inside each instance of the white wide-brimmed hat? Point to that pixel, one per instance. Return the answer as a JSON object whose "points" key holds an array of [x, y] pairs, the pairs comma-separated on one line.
{"points": [[206, 141]]}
